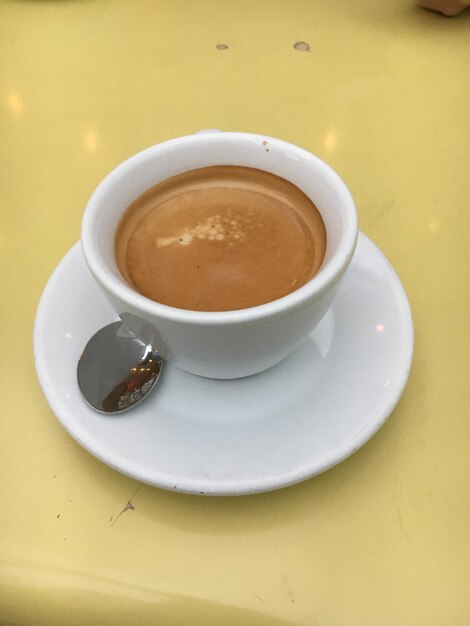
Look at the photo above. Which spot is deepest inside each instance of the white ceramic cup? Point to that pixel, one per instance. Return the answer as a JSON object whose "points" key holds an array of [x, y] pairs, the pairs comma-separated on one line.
{"points": [[228, 344]]}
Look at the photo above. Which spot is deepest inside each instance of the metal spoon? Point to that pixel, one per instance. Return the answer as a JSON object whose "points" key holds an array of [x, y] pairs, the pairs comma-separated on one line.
{"points": [[117, 369]]}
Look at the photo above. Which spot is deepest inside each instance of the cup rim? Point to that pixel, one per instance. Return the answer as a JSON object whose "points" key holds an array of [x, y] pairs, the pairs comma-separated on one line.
{"points": [[313, 289]]}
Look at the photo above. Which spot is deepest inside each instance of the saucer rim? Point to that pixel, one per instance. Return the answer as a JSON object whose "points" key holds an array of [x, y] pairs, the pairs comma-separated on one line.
{"points": [[335, 455]]}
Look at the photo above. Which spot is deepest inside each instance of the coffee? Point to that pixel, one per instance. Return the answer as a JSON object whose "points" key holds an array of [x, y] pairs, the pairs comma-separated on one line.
{"points": [[220, 238]]}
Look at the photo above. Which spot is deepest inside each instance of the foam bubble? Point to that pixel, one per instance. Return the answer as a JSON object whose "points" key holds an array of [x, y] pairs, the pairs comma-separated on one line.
{"points": [[164, 241], [185, 239], [211, 229]]}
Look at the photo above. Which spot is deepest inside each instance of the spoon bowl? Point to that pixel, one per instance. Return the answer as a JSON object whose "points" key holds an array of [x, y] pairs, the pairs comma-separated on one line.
{"points": [[117, 370]]}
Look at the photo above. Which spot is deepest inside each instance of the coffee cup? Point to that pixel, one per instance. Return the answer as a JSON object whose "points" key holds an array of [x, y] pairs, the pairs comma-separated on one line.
{"points": [[221, 344]]}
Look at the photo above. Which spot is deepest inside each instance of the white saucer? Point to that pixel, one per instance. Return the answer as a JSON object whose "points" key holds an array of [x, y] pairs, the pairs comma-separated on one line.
{"points": [[255, 434]]}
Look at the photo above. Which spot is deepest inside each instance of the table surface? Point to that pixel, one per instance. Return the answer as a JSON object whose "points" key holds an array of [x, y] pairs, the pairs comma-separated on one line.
{"points": [[383, 95]]}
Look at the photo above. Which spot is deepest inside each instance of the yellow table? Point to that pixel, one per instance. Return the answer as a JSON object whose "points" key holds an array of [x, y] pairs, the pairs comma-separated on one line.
{"points": [[383, 95]]}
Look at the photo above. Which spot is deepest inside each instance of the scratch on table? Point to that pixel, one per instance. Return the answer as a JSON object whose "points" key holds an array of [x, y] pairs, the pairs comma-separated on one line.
{"points": [[128, 506], [262, 601], [399, 515], [402, 525], [289, 592], [62, 468], [385, 208]]}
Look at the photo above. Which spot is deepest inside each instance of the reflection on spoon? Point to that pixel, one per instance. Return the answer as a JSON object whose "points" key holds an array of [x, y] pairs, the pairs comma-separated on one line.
{"points": [[117, 370]]}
